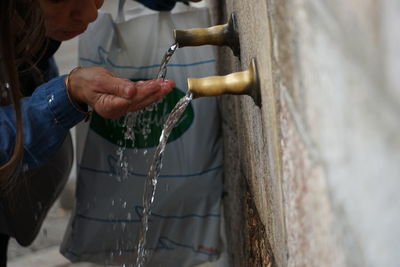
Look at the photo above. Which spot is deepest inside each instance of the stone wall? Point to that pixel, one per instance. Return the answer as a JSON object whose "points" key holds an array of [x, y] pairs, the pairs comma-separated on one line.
{"points": [[312, 176]]}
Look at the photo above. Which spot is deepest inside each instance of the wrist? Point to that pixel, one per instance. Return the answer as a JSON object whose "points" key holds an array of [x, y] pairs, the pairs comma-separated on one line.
{"points": [[78, 105]]}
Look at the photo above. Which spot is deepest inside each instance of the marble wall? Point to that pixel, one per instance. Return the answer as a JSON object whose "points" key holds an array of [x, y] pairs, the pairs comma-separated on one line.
{"points": [[312, 175]]}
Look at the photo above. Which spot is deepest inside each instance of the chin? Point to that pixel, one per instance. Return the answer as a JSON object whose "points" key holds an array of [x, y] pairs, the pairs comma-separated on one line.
{"points": [[64, 36]]}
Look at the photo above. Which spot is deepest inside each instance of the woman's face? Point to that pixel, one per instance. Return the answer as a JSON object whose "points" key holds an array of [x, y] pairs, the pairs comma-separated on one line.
{"points": [[65, 19]]}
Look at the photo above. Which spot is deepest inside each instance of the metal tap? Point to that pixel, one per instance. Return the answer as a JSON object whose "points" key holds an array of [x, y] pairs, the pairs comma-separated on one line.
{"points": [[221, 35], [237, 83]]}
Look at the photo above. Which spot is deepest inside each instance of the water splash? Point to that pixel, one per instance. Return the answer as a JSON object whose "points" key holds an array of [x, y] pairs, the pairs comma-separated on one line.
{"points": [[142, 118], [132, 119], [154, 172]]}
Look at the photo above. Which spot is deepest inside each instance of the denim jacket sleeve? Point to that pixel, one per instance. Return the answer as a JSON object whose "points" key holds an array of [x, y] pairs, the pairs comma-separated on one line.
{"points": [[47, 116]]}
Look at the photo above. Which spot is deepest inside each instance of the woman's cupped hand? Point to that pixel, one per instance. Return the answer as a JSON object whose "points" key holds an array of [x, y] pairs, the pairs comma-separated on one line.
{"points": [[111, 96]]}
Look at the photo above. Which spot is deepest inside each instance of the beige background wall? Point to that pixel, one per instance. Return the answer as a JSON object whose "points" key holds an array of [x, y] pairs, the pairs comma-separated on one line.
{"points": [[312, 177]]}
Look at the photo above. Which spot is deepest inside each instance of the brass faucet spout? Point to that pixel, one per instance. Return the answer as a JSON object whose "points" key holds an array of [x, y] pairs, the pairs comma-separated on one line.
{"points": [[237, 83], [201, 36], [221, 35]]}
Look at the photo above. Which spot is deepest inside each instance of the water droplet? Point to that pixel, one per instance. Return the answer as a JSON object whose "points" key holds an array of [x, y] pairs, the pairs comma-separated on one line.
{"points": [[51, 98], [150, 108]]}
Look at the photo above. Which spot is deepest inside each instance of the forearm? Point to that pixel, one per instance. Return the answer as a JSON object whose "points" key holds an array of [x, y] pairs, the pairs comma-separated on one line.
{"points": [[47, 117]]}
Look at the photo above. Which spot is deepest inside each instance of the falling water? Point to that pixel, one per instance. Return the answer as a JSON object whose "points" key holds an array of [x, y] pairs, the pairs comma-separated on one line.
{"points": [[155, 168], [132, 118], [162, 71], [151, 180], [141, 117]]}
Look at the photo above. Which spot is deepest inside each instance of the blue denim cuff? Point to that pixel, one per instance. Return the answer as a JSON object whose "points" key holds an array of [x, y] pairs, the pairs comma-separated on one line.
{"points": [[63, 111]]}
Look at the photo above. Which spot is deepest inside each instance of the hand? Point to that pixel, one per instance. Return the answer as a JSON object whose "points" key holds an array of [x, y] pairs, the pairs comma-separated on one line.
{"points": [[111, 96]]}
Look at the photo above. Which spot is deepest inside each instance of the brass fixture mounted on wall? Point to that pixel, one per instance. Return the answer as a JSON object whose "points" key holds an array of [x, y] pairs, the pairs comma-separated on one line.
{"points": [[221, 35], [238, 83]]}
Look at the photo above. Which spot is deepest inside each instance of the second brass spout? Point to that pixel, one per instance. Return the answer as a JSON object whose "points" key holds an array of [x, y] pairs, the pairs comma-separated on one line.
{"points": [[221, 35], [237, 83]]}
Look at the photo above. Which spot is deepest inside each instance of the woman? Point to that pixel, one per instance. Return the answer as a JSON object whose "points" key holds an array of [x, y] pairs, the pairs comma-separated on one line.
{"points": [[33, 128]]}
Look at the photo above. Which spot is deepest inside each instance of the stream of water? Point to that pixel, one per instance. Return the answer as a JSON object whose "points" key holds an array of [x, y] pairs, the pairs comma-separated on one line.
{"points": [[154, 172], [152, 176], [162, 71]]}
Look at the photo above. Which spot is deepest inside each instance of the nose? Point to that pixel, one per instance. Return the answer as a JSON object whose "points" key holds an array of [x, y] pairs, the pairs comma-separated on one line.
{"points": [[85, 11]]}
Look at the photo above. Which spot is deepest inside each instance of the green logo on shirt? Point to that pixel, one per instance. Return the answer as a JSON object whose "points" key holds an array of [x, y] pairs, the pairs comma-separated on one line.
{"points": [[143, 128]]}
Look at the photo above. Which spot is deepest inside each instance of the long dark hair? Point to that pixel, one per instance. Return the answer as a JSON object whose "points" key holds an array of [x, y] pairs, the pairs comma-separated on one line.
{"points": [[22, 36]]}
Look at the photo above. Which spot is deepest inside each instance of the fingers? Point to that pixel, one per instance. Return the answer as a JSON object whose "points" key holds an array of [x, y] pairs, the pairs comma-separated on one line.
{"points": [[111, 96], [117, 86], [151, 87], [130, 90], [150, 92], [147, 92], [112, 107], [167, 85]]}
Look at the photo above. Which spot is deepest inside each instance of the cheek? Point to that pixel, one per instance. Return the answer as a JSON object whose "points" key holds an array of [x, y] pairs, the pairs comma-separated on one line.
{"points": [[54, 26], [54, 16]]}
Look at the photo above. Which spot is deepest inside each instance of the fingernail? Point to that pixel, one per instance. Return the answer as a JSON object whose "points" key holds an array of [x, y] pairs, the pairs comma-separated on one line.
{"points": [[139, 83], [127, 90], [165, 86], [169, 83]]}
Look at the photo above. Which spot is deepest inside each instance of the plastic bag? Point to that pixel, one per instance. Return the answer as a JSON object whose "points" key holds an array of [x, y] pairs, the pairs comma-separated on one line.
{"points": [[185, 222]]}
